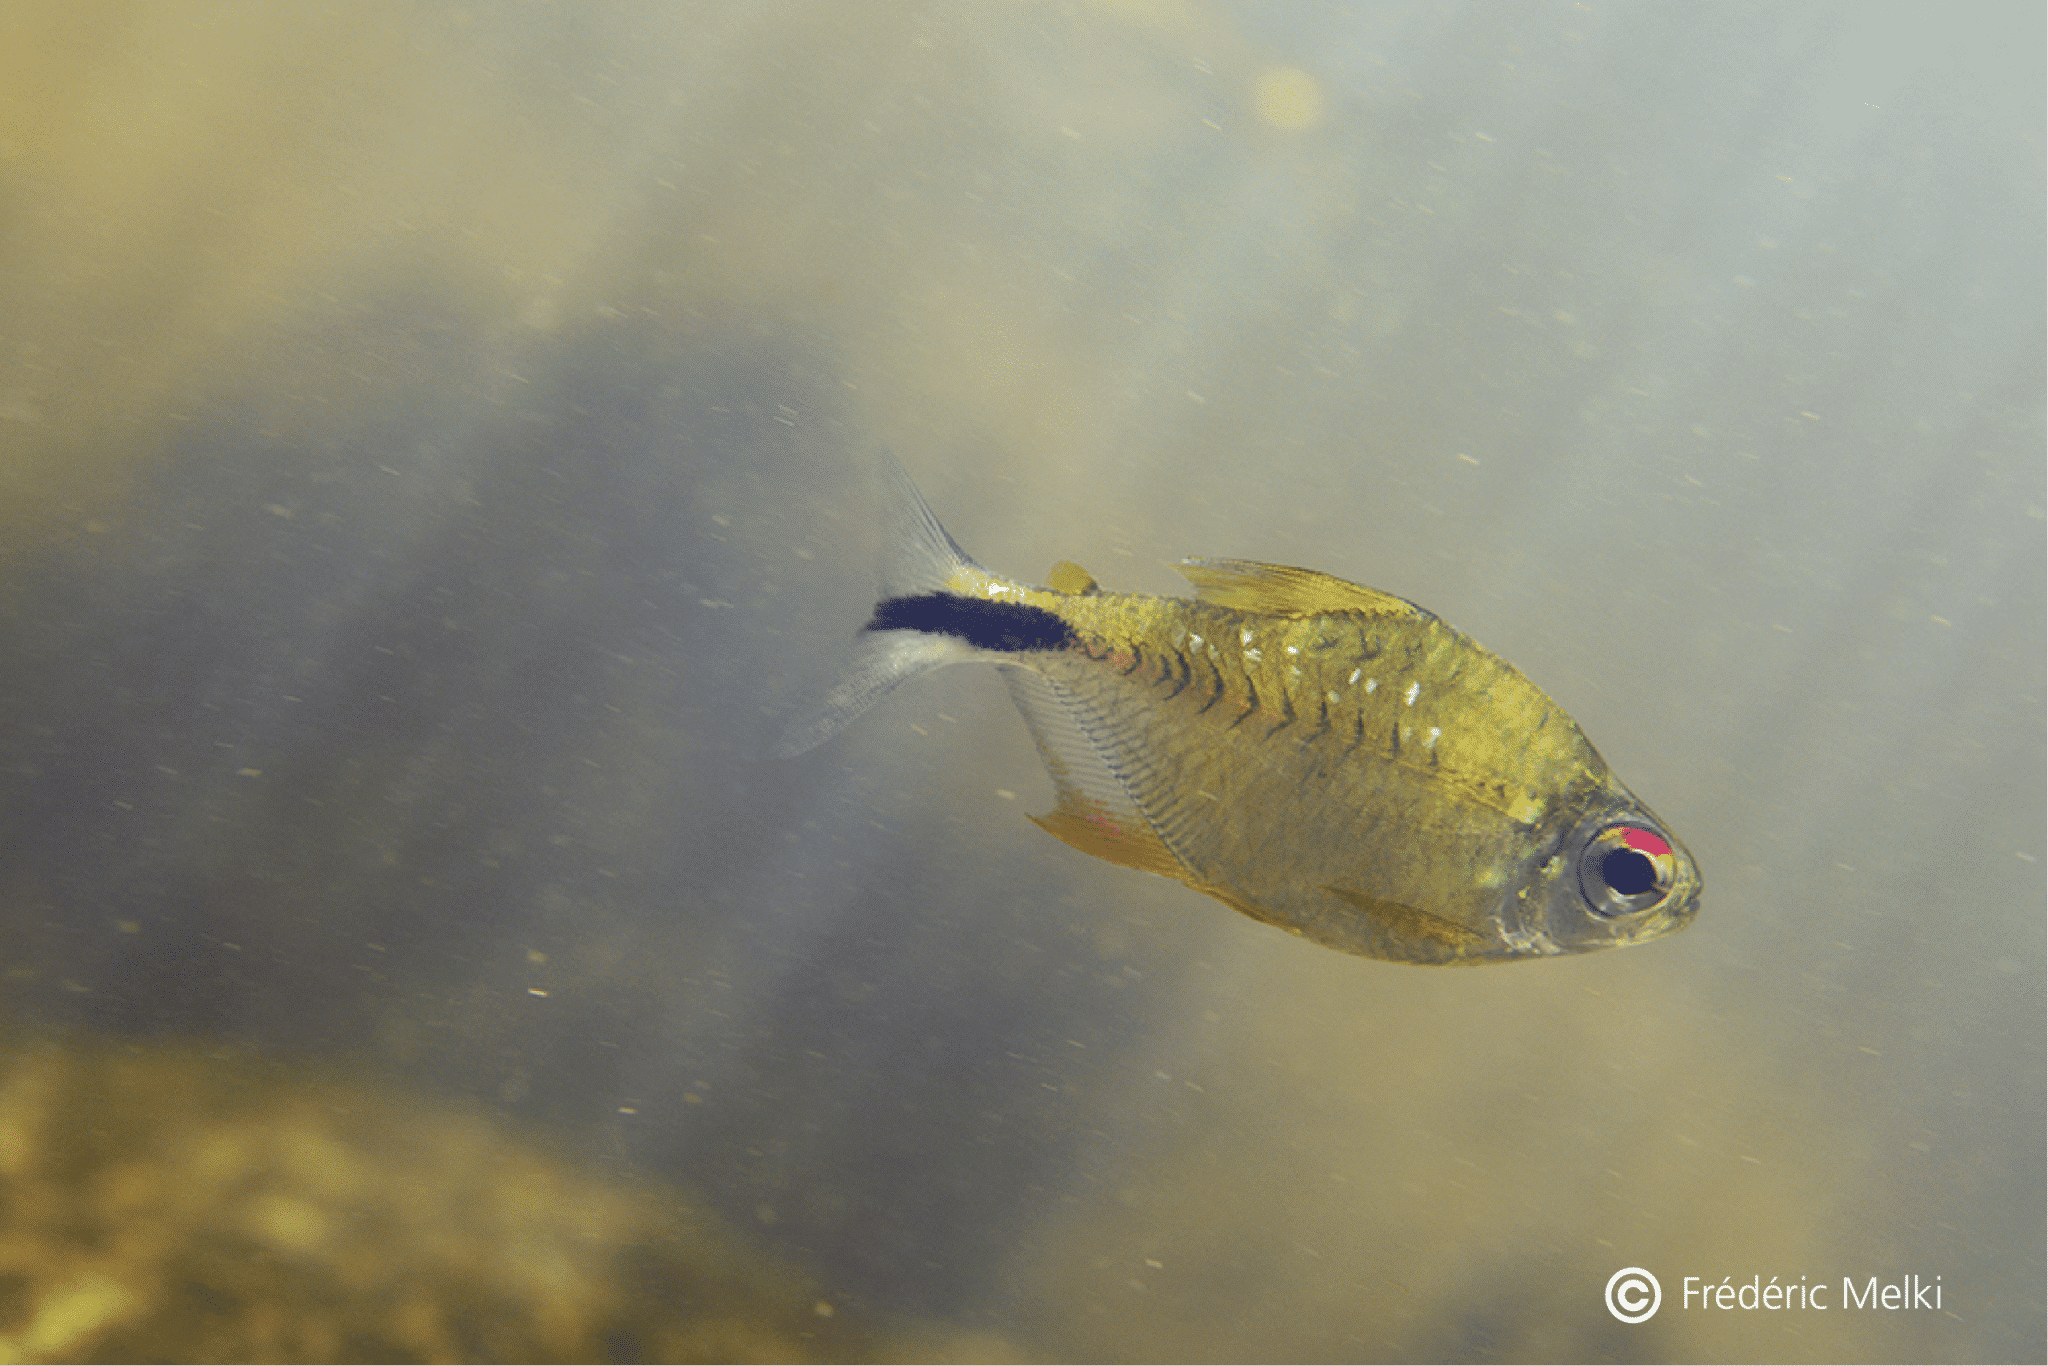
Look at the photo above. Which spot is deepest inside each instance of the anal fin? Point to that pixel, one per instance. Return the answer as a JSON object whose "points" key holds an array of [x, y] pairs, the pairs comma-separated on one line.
{"points": [[1097, 812], [1094, 832]]}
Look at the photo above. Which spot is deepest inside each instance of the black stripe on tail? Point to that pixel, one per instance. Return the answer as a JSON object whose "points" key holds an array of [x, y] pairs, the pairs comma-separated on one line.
{"points": [[1005, 626]]}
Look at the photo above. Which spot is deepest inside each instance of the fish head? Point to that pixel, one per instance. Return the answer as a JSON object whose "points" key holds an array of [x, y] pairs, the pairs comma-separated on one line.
{"points": [[1617, 877]]}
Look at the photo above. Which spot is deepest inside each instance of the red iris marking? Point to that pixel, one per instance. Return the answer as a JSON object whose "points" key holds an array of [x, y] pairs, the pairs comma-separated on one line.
{"points": [[1643, 842]]}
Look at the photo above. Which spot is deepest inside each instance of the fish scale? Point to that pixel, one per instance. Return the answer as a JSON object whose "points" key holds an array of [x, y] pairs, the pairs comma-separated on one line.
{"points": [[1271, 795]]}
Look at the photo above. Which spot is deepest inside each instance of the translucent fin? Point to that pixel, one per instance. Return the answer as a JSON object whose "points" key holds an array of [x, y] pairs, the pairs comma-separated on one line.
{"points": [[1096, 813], [1127, 846], [1281, 591], [1408, 923], [881, 660], [918, 557]]}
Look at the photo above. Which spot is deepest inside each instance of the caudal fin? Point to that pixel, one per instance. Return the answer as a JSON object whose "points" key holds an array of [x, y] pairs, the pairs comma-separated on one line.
{"points": [[919, 560]]}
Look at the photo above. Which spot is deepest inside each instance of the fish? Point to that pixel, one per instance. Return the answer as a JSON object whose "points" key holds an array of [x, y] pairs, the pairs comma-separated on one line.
{"points": [[1322, 757]]}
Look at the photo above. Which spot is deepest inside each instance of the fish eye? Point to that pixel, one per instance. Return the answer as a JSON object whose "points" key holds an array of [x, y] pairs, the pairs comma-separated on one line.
{"points": [[1626, 869]]}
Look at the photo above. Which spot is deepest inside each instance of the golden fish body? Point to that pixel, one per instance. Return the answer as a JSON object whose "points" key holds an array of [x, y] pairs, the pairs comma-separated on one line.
{"points": [[1320, 756]]}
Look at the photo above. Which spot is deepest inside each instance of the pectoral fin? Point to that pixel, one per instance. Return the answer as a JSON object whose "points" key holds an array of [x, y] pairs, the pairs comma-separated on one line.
{"points": [[1407, 922]]}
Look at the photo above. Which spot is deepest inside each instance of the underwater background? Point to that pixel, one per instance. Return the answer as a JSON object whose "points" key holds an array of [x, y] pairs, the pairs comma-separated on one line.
{"points": [[434, 462]]}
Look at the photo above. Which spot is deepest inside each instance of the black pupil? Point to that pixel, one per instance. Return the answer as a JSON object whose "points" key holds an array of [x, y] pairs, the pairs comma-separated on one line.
{"points": [[1628, 872]]}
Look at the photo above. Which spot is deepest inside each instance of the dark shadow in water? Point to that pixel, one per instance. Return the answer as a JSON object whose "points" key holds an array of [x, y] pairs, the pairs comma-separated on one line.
{"points": [[355, 742]]}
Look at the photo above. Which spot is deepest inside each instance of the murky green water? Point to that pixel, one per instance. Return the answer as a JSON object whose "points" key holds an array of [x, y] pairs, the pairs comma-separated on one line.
{"points": [[431, 466]]}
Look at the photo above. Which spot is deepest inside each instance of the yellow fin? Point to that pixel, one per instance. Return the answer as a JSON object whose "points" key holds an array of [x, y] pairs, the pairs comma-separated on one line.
{"points": [[1071, 579], [1410, 923], [1094, 832], [1280, 591]]}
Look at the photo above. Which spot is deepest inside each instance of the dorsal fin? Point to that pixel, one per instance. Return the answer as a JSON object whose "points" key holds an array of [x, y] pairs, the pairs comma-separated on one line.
{"points": [[1282, 591]]}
